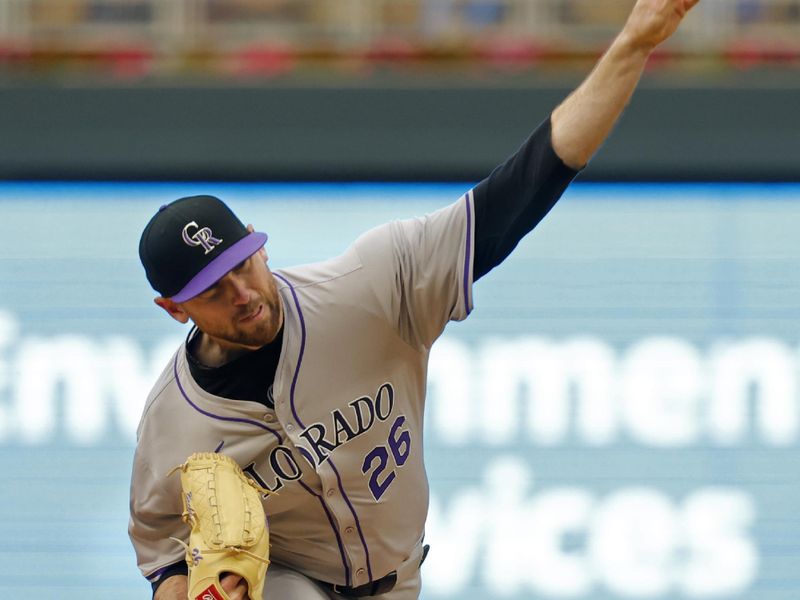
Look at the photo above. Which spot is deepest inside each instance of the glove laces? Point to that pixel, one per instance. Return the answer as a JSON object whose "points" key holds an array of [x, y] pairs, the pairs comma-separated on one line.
{"points": [[236, 549]]}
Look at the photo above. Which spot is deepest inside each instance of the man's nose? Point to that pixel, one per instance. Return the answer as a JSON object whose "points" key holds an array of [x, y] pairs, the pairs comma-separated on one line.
{"points": [[239, 291]]}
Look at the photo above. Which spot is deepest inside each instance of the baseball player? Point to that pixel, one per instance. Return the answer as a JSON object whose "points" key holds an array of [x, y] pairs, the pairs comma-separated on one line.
{"points": [[313, 378]]}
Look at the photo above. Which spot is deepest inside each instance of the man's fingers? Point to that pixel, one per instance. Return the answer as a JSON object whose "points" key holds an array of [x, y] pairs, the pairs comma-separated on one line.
{"points": [[234, 585], [686, 6]]}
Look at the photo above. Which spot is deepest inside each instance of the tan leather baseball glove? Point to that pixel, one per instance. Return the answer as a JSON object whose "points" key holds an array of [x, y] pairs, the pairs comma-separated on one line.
{"points": [[229, 532]]}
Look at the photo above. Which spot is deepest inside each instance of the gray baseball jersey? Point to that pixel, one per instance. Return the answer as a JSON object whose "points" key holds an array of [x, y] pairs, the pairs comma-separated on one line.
{"points": [[343, 446]]}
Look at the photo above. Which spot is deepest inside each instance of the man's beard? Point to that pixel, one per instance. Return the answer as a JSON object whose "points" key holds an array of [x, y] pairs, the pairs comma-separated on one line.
{"points": [[256, 335]]}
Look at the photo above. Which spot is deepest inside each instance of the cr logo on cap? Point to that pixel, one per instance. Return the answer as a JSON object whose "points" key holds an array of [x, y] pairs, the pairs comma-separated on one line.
{"points": [[202, 237]]}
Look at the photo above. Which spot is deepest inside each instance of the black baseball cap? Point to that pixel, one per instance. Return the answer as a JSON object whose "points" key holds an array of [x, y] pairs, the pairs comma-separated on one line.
{"points": [[191, 243]]}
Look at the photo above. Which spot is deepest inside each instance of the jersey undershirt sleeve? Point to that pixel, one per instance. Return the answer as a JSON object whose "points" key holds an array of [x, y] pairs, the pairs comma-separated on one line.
{"points": [[515, 197], [178, 568]]}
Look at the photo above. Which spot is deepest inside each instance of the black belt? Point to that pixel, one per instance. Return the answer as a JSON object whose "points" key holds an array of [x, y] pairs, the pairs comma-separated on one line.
{"points": [[373, 588]]}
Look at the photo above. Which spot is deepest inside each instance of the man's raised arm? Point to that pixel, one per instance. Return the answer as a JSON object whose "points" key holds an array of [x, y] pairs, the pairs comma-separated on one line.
{"points": [[583, 121], [517, 195]]}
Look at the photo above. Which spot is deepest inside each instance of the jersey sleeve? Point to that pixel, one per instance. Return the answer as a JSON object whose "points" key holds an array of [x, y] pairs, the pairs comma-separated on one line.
{"points": [[155, 505], [516, 196], [421, 269]]}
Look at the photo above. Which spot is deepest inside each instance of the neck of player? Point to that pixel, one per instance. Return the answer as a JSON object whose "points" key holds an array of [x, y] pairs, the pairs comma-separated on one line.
{"points": [[214, 352]]}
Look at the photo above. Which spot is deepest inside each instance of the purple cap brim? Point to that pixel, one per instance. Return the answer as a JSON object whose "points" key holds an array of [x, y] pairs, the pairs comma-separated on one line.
{"points": [[219, 267]]}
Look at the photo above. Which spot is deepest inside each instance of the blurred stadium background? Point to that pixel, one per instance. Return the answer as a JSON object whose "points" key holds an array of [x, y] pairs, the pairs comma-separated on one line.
{"points": [[620, 416], [142, 38]]}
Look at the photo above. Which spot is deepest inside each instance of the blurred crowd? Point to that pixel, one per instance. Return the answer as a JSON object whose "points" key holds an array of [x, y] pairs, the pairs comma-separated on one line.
{"points": [[269, 37]]}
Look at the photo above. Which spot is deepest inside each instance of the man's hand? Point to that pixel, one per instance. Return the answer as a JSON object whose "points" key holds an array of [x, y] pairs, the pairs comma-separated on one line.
{"points": [[175, 588], [653, 21], [234, 585], [583, 121]]}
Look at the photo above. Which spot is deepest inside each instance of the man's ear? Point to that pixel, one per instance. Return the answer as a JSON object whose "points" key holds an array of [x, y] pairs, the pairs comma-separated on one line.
{"points": [[262, 252], [173, 309]]}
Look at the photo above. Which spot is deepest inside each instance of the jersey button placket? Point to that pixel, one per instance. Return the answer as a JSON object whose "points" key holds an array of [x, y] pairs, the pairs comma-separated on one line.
{"points": [[344, 518]]}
